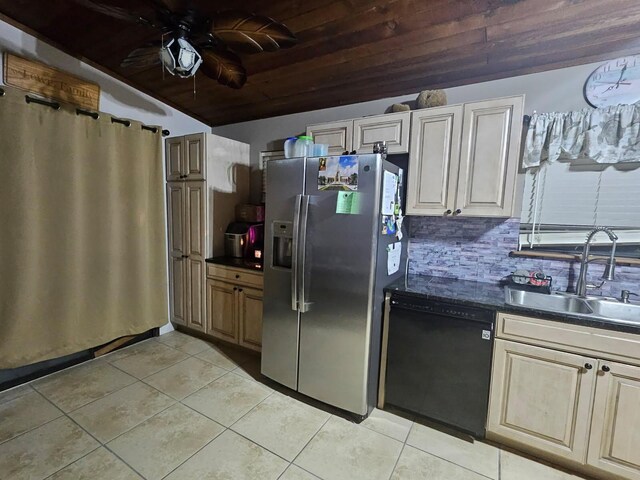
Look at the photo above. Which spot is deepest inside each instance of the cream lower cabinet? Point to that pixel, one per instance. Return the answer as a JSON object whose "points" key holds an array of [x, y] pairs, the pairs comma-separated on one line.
{"points": [[614, 445], [567, 393], [222, 321], [360, 134], [234, 306], [186, 207], [464, 159], [542, 398]]}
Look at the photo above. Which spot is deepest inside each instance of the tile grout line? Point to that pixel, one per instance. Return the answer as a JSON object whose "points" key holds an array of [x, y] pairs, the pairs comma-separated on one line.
{"points": [[107, 448], [395, 465], [76, 460], [64, 414], [450, 461], [196, 452], [92, 401], [251, 409], [386, 435], [310, 440]]}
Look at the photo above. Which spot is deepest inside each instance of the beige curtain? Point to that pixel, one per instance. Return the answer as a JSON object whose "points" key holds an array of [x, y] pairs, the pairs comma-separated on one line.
{"points": [[82, 237]]}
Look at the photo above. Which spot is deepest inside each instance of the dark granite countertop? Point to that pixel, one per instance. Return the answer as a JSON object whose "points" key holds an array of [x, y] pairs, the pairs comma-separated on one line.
{"points": [[490, 295], [236, 262]]}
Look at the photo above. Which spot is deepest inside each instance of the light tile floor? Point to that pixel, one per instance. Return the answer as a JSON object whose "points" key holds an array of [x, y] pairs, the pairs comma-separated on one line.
{"points": [[179, 408]]}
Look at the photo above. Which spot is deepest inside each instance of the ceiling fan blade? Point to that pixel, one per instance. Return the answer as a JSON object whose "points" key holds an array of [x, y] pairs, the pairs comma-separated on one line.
{"points": [[247, 32], [145, 56], [115, 12], [223, 66], [167, 5]]}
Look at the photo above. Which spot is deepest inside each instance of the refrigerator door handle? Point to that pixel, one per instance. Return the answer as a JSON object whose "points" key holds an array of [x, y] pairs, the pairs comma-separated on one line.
{"points": [[303, 305], [294, 252]]}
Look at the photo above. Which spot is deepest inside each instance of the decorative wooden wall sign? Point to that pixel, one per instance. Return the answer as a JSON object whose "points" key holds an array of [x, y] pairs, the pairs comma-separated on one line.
{"points": [[38, 78]]}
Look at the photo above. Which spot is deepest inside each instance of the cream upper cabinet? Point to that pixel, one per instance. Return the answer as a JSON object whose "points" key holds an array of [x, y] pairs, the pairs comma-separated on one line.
{"points": [[338, 135], [435, 155], [489, 158], [186, 157], [175, 158], [392, 128], [542, 398], [195, 164], [464, 159], [615, 432], [360, 134]]}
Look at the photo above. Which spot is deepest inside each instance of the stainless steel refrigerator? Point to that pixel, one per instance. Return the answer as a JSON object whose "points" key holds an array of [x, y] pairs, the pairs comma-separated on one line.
{"points": [[328, 253]]}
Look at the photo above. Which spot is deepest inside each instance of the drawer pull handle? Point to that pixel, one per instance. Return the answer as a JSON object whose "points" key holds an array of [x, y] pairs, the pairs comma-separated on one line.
{"points": [[605, 368], [588, 366]]}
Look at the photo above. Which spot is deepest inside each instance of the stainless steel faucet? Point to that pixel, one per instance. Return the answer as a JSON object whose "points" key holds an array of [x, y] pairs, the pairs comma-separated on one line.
{"points": [[610, 268]]}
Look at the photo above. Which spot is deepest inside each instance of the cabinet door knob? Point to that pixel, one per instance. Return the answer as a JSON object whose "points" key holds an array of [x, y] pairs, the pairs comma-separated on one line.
{"points": [[605, 368], [448, 212], [588, 366], [237, 276], [457, 212], [185, 256], [239, 289], [235, 288]]}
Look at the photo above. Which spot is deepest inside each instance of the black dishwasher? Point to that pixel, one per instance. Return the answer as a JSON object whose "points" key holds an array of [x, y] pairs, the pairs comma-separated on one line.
{"points": [[439, 361]]}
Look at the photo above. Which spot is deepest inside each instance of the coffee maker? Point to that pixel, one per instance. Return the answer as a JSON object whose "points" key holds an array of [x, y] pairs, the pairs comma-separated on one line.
{"points": [[244, 240]]}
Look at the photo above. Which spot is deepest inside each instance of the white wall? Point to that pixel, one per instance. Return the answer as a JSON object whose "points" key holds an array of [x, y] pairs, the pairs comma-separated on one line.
{"points": [[116, 97], [555, 90]]}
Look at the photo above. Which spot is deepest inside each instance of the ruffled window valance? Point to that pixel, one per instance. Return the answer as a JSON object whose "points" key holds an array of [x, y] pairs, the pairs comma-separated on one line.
{"points": [[601, 135]]}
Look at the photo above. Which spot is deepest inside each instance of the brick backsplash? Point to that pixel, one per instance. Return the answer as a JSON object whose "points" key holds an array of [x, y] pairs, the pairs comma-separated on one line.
{"points": [[478, 249]]}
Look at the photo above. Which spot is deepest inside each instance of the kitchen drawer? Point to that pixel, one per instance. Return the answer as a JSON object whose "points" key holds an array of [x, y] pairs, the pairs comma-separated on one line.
{"points": [[238, 276], [606, 344]]}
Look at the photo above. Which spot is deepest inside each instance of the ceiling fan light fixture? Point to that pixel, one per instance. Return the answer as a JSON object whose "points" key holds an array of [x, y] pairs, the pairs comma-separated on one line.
{"points": [[180, 58]]}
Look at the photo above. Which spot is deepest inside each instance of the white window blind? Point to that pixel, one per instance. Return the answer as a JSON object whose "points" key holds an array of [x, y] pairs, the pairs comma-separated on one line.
{"points": [[563, 200], [265, 156]]}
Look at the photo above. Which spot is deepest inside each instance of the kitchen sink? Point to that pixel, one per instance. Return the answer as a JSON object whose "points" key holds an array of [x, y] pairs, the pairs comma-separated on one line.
{"points": [[604, 308], [623, 312]]}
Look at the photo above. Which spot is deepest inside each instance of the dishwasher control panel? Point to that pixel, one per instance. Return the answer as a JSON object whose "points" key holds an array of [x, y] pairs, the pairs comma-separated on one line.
{"points": [[443, 308]]}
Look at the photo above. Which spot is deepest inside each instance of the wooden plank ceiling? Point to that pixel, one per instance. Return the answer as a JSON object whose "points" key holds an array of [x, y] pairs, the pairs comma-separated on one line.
{"points": [[353, 50]]}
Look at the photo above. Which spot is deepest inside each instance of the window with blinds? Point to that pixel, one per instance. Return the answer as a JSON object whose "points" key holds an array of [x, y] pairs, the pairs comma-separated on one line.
{"points": [[562, 201], [265, 156]]}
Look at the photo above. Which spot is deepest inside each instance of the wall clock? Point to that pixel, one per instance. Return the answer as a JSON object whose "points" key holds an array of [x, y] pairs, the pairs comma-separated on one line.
{"points": [[615, 82]]}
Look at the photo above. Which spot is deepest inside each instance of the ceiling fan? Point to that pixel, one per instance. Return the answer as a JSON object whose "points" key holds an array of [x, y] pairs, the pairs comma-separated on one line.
{"points": [[191, 40]]}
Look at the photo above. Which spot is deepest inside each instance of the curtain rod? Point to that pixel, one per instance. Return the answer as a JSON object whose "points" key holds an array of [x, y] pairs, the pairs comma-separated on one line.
{"points": [[54, 105], [94, 115]]}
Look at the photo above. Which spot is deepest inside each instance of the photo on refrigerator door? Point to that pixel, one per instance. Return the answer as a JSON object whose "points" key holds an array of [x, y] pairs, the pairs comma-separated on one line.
{"points": [[338, 173]]}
